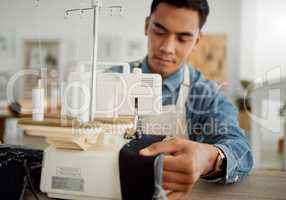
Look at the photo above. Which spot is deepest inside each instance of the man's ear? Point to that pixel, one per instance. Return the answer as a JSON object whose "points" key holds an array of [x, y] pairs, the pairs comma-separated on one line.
{"points": [[147, 21]]}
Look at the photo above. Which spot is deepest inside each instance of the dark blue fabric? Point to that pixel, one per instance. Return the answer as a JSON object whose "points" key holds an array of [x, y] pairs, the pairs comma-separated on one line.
{"points": [[136, 171], [20, 170]]}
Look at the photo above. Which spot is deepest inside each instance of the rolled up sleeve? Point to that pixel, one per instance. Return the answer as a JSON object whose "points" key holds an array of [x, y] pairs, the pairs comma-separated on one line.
{"points": [[213, 119]]}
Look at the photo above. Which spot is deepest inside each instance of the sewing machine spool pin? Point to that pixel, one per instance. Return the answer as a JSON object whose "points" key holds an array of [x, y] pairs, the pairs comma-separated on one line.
{"points": [[96, 6]]}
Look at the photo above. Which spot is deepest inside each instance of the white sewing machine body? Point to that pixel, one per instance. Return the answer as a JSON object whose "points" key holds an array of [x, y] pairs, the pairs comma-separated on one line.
{"points": [[94, 174], [81, 175], [115, 93]]}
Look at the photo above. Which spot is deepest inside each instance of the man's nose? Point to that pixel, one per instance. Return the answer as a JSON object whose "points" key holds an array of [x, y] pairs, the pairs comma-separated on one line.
{"points": [[168, 46]]}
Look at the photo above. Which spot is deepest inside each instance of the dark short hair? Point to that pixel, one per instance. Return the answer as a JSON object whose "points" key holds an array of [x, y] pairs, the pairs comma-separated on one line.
{"points": [[201, 6]]}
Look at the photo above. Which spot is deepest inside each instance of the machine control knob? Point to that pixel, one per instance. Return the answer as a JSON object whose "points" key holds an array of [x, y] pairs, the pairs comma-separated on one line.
{"points": [[137, 71]]}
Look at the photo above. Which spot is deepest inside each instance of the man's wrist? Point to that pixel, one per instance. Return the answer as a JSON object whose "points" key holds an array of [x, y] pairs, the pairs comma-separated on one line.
{"points": [[217, 170], [212, 158]]}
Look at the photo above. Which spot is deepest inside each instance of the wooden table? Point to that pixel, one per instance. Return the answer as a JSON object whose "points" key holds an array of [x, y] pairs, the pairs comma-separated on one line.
{"points": [[27, 106], [260, 185]]}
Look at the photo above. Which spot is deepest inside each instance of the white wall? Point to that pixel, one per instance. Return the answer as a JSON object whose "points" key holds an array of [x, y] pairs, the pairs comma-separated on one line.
{"points": [[248, 38], [225, 17], [24, 20], [271, 37], [263, 39]]}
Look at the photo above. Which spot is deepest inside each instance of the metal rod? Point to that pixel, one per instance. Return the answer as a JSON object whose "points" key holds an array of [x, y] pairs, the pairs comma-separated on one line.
{"points": [[94, 61], [120, 8], [79, 9]]}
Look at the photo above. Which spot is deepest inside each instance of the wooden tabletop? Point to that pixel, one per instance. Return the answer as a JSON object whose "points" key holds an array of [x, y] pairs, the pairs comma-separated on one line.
{"points": [[26, 109], [260, 185]]}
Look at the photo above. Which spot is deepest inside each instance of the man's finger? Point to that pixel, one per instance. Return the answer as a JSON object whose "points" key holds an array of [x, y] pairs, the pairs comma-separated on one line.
{"points": [[176, 196], [176, 187], [176, 177], [168, 146], [171, 164]]}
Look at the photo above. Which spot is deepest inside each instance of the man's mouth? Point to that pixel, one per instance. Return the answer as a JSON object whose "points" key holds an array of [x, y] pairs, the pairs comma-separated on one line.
{"points": [[163, 61]]}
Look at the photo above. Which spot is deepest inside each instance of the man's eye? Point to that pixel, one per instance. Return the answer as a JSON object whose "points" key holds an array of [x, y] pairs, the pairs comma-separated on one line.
{"points": [[159, 32], [184, 39]]}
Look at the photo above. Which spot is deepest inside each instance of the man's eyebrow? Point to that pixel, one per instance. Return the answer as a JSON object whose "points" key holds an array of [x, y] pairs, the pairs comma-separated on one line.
{"points": [[188, 34], [158, 25]]}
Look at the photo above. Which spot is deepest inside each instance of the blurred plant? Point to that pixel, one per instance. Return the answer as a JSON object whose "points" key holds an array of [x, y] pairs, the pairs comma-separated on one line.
{"points": [[283, 110], [247, 85], [243, 102]]}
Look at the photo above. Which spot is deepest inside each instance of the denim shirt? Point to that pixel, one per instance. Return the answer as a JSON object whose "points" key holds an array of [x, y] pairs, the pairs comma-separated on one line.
{"points": [[211, 119]]}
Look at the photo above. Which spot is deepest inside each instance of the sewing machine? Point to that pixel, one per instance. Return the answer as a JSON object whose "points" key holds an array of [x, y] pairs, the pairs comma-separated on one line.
{"points": [[93, 174]]}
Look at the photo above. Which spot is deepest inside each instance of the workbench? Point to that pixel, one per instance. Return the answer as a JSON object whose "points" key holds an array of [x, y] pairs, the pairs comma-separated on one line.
{"points": [[260, 185], [26, 105]]}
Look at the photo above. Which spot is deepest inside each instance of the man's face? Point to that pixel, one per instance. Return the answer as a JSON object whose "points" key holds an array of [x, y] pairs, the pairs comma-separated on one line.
{"points": [[172, 34]]}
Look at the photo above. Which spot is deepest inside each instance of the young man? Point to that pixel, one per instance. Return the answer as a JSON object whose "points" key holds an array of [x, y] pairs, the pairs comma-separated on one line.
{"points": [[216, 148]]}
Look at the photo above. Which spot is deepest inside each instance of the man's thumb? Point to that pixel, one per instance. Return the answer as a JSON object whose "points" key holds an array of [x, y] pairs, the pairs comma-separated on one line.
{"points": [[147, 152], [160, 147]]}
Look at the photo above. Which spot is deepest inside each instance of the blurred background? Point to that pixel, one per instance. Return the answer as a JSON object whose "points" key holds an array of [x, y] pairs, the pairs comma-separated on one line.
{"points": [[243, 49]]}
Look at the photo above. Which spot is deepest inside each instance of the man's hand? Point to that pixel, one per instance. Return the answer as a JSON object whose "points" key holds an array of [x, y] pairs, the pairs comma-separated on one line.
{"points": [[184, 163]]}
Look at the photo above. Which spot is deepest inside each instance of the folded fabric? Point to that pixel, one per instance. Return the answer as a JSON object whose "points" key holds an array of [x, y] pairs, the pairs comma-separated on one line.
{"points": [[20, 170], [140, 176]]}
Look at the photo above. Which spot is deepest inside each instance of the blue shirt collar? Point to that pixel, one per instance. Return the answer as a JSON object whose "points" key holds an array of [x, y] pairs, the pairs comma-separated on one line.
{"points": [[172, 82]]}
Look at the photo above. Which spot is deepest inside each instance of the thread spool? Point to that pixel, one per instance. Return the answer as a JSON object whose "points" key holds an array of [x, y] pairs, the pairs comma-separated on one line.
{"points": [[38, 102]]}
